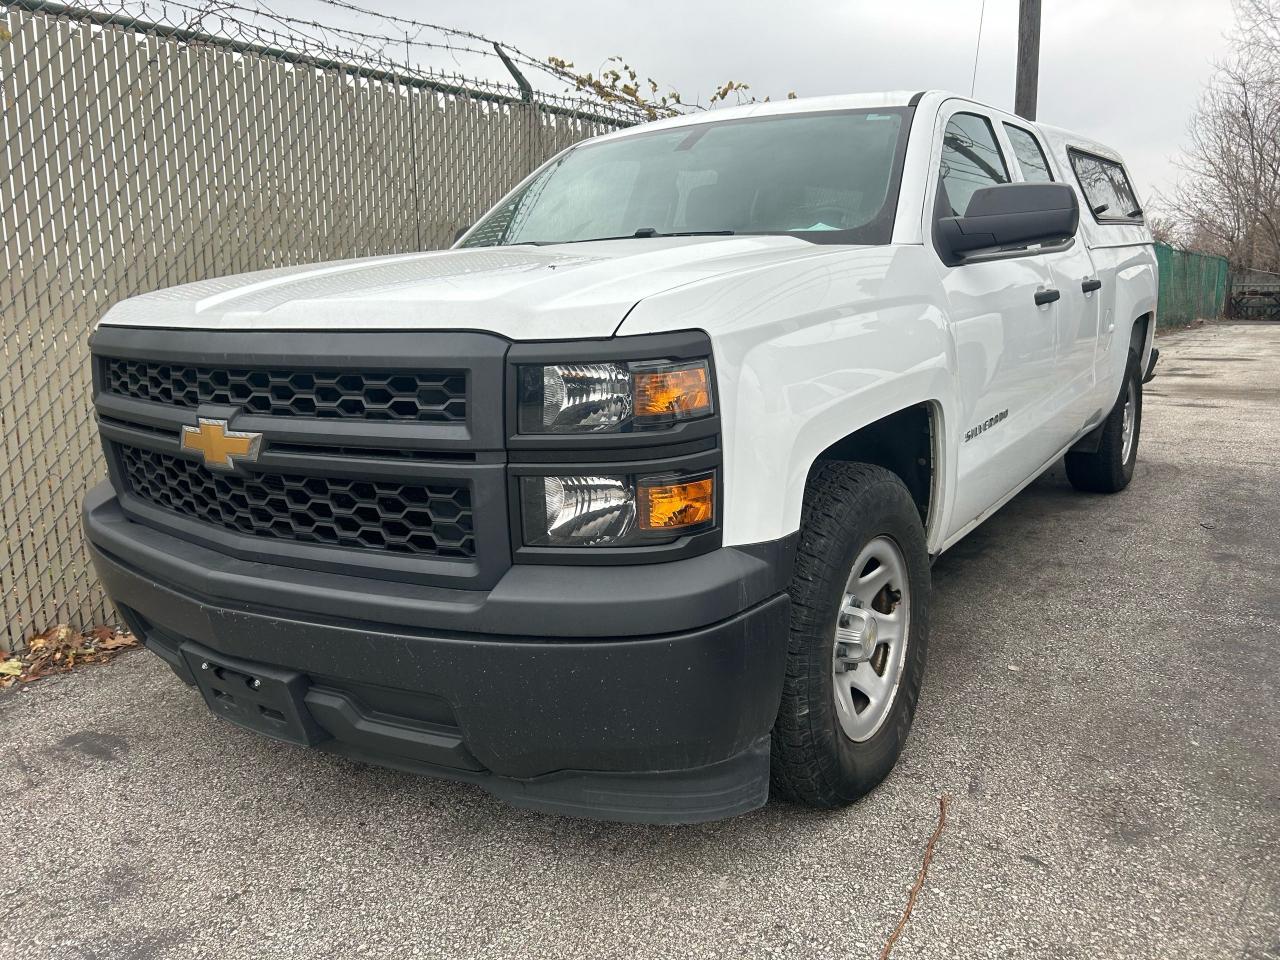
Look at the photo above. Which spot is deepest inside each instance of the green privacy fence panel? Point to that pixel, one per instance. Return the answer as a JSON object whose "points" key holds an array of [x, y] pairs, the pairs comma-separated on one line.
{"points": [[1193, 286]]}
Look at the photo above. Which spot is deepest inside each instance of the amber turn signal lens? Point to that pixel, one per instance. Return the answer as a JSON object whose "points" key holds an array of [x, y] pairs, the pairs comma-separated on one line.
{"points": [[673, 392], [670, 506]]}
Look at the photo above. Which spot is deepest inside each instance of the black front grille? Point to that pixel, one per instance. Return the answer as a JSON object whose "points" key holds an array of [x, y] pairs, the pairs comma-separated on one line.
{"points": [[434, 396], [432, 520]]}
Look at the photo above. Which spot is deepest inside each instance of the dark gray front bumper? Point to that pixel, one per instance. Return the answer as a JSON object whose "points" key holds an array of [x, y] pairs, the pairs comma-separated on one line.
{"points": [[637, 693]]}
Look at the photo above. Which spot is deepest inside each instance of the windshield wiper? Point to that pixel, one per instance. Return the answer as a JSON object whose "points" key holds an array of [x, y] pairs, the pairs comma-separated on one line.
{"points": [[651, 232], [644, 233]]}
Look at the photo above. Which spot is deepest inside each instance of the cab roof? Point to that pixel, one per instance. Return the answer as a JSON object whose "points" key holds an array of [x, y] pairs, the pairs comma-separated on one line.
{"points": [[764, 108], [856, 101]]}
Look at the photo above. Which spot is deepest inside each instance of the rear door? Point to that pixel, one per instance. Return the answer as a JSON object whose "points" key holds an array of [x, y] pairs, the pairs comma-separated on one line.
{"points": [[1005, 342], [1113, 219], [1076, 313]]}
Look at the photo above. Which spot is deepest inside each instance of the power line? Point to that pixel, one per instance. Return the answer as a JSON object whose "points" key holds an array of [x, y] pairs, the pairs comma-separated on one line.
{"points": [[977, 48]]}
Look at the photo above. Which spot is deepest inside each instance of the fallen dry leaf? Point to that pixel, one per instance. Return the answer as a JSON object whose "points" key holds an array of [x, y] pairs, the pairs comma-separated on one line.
{"points": [[60, 649]]}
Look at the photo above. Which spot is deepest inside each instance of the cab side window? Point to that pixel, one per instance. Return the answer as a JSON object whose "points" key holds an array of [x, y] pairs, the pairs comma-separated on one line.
{"points": [[971, 160], [1035, 167], [1106, 187]]}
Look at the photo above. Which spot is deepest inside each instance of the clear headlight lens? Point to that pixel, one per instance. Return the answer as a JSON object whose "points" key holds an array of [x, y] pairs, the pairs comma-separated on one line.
{"points": [[574, 397], [584, 511], [577, 511], [611, 397]]}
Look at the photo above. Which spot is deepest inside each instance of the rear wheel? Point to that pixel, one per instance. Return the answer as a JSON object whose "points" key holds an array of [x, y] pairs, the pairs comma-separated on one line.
{"points": [[1110, 468], [859, 636]]}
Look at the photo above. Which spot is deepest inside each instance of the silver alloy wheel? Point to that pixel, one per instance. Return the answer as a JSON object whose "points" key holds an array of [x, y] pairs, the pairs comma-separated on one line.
{"points": [[1130, 416], [871, 635]]}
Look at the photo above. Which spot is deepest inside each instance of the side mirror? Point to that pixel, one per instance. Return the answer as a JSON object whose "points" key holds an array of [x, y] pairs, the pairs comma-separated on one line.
{"points": [[1012, 215], [458, 236]]}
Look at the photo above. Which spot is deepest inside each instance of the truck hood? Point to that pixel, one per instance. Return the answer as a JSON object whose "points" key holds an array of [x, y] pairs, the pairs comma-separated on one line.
{"points": [[521, 292]]}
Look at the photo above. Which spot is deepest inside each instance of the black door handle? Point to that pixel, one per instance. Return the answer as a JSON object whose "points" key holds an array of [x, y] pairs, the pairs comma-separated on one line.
{"points": [[1047, 296], [1091, 285]]}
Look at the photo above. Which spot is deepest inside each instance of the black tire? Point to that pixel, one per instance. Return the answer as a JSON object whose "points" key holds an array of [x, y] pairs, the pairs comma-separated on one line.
{"points": [[847, 506], [1108, 470]]}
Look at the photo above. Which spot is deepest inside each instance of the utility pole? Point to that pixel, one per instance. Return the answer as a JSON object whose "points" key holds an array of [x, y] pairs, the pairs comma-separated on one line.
{"points": [[1028, 83]]}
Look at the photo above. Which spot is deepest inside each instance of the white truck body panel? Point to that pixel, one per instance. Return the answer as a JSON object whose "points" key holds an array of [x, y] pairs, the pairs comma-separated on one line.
{"points": [[800, 353], [524, 293], [811, 342]]}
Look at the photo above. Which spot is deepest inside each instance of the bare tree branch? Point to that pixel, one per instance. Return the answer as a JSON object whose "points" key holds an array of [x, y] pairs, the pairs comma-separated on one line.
{"points": [[1229, 200]]}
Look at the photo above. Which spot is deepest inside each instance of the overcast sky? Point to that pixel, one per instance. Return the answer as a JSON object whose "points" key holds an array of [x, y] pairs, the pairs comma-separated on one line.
{"points": [[1126, 72]]}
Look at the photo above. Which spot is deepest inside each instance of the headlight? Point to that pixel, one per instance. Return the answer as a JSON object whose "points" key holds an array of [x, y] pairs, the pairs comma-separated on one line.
{"points": [[611, 397], [583, 511]]}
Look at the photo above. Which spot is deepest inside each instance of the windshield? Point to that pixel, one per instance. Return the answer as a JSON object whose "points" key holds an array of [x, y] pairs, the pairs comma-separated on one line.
{"points": [[828, 177]]}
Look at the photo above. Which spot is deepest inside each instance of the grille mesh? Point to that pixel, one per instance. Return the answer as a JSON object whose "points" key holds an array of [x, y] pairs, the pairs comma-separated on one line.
{"points": [[438, 396], [422, 519]]}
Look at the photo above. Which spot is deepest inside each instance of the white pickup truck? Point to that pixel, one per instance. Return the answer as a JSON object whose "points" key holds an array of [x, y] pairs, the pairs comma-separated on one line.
{"points": [[625, 505]]}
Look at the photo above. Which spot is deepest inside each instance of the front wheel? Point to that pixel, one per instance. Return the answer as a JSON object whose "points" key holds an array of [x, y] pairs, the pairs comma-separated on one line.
{"points": [[858, 639], [1110, 468]]}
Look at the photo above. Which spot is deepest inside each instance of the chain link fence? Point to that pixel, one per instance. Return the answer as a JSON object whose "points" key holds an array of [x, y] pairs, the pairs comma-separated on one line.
{"points": [[137, 155], [1193, 286]]}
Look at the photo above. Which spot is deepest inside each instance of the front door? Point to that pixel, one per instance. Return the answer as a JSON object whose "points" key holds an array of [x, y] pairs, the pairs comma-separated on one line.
{"points": [[1005, 341]]}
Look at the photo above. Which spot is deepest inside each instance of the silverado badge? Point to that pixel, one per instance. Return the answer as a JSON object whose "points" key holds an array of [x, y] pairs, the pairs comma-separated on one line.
{"points": [[221, 447]]}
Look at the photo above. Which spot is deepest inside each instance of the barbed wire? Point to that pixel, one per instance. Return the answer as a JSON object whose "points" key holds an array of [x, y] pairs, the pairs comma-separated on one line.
{"points": [[545, 66], [382, 42]]}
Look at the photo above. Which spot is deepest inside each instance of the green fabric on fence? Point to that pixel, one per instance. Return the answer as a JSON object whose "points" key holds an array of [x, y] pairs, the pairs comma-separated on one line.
{"points": [[1193, 286]]}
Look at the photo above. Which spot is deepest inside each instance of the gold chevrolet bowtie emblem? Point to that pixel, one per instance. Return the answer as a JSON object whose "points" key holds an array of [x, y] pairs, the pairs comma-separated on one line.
{"points": [[221, 447]]}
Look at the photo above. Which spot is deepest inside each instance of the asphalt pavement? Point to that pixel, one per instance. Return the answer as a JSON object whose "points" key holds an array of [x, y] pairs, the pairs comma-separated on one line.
{"points": [[1102, 706]]}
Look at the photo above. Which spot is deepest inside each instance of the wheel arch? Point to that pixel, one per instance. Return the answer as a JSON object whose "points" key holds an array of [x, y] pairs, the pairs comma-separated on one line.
{"points": [[1137, 290], [1142, 335], [908, 442]]}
